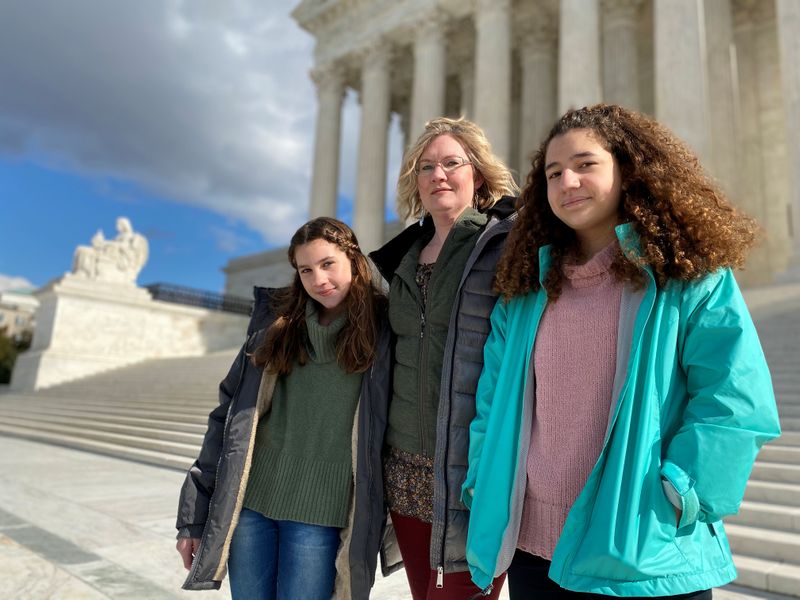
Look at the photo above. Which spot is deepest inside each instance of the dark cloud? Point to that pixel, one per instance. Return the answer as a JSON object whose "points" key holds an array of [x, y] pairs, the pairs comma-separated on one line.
{"points": [[200, 101]]}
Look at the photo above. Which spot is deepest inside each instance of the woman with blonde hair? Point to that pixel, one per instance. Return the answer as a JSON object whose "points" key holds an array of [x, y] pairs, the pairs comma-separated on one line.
{"points": [[440, 273], [625, 393]]}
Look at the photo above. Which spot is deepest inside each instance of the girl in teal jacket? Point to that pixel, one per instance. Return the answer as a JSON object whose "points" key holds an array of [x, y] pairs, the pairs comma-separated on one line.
{"points": [[624, 394]]}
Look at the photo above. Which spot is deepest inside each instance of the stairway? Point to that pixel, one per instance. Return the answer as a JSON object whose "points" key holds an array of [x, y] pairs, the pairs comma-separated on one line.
{"points": [[153, 412], [765, 535]]}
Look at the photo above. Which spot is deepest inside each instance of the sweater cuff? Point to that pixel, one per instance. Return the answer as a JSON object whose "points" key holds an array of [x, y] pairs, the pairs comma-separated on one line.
{"points": [[682, 494]]}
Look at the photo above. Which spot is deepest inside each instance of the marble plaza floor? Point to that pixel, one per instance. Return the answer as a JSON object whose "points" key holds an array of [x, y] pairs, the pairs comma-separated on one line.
{"points": [[79, 526]]}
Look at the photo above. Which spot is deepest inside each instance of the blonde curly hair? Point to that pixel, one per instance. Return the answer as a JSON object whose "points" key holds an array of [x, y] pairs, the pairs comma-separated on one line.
{"points": [[497, 179], [686, 225]]}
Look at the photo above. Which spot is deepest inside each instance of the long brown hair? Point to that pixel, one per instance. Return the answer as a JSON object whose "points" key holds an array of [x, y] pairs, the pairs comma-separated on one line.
{"points": [[686, 225], [285, 341]]}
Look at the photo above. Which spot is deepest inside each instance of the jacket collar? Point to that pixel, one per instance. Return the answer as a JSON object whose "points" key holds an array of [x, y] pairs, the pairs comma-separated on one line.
{"points": [[629, 242], [387, 258]]}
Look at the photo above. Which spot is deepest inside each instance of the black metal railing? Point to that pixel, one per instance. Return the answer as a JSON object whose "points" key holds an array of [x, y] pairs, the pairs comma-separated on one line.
{"points": [[167, 292]]}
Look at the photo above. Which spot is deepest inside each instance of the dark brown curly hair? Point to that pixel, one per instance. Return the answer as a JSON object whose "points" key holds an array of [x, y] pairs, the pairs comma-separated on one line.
{"points": [[686, 225], [285, 341]]}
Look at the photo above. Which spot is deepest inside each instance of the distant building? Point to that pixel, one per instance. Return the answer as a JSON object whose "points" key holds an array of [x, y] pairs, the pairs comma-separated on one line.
{"points": [[17, 310], [269, 269], [722, 74]]}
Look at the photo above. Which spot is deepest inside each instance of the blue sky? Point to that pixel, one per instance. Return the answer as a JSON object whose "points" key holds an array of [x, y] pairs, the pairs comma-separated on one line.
{"points": [[193, 119]]}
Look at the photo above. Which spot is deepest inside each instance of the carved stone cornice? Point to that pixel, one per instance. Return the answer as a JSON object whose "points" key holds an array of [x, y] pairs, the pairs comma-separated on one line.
{"points": [[433, 22], [376, 53], [316, 15], [328, 76]]}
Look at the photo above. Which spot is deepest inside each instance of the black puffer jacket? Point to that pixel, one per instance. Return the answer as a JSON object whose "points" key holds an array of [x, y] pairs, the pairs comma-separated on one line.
{"points": [[463, 361], [211, 497]]}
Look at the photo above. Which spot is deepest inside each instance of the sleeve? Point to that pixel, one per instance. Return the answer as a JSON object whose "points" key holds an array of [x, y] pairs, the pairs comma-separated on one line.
{"points": [[198, 486], [493, 352], [730, 409]]}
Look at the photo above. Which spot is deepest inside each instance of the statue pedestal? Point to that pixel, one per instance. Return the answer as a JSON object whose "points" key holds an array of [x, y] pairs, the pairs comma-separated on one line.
{"points": [[84, 327]]}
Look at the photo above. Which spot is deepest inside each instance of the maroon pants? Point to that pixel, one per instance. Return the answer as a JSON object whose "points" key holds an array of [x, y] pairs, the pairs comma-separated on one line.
{"points": [[414, 540]]}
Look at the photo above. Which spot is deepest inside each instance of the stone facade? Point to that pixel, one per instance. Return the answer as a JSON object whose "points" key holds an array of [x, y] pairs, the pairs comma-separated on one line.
{"points": [[85, 327], [722, 74]]}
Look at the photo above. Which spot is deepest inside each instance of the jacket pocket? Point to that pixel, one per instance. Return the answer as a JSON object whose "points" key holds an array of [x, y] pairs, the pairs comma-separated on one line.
{"points": [[632, 538], [704, 546]]}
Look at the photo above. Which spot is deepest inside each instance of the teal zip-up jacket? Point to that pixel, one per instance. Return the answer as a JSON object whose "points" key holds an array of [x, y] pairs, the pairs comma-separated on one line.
{"points": [[692, 404]]}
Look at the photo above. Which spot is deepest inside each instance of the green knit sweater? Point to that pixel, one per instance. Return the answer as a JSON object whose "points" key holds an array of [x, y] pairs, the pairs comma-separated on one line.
{"points": [[301, 468]]}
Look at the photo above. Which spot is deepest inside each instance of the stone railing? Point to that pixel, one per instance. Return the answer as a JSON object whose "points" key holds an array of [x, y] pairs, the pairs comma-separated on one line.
{"points": [[167, 292]]}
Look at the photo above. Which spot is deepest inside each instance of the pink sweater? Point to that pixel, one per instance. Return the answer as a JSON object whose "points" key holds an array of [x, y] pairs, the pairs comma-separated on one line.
{"points": [[574, 364]]}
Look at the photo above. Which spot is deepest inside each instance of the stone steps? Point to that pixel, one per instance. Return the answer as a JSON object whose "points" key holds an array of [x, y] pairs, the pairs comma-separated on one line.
{"points": [[197, 428], [79, 442], [776, 577], [768, 516], [777, 472], [784, 494], [158, 432], [154, 412], [779, 453], [89, 432], [80, 407]]}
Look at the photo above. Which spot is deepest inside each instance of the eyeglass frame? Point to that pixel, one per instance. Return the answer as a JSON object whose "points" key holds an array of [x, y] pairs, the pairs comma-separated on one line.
{"points": [[434, 163]]}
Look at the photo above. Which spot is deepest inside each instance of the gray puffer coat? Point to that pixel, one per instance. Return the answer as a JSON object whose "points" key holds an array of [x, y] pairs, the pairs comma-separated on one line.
{"points": [[212, 494], [463, 361]]}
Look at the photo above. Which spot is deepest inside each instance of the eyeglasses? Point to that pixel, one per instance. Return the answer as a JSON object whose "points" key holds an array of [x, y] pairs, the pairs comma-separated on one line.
{"points": [[448, 164]]}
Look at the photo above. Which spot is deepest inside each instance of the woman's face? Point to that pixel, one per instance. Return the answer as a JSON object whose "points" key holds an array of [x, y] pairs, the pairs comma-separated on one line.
{"points": [[446, 181], [326, 274], [583, 187]]}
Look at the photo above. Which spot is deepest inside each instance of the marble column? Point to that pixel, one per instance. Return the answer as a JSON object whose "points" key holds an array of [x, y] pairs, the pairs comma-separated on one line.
{"points": [[578, 54], [723, 123], [493, 73], [788, 18], [466, 77], [330, 92], [372, 148], [621, 52], [681, 89], [430, 77], [772, 125], [538, 107]]}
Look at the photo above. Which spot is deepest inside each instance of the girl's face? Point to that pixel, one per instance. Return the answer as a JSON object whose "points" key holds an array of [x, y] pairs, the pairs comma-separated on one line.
{"points": [[326, 274], [446, 180], [583, 187]]}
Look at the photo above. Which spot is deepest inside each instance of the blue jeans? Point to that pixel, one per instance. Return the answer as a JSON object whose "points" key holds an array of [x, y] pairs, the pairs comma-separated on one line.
{"points": [[272, 559]]}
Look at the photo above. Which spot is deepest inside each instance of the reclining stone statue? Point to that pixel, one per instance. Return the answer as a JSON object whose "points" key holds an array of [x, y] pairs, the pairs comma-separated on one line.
{"points": [[118, 260]]}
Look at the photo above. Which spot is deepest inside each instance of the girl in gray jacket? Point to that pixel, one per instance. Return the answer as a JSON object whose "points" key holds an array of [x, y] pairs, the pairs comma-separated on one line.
{"points": [[276, 492]]}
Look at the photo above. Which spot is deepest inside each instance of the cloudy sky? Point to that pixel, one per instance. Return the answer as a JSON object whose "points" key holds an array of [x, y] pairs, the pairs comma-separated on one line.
{"points": [[194, 118]]}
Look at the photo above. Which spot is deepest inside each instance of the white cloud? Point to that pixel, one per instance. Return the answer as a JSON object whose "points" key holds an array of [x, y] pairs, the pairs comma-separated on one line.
{"points": [[200, 101], [9, 282]]}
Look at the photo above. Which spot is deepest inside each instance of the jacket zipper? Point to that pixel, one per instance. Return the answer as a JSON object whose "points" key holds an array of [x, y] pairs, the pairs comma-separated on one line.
{"points": [[483, 241], [423, 361]]}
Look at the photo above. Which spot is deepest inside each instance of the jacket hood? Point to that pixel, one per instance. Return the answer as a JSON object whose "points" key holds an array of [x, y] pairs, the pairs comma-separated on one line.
{"points": [[265, 301], [387, 258]]}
